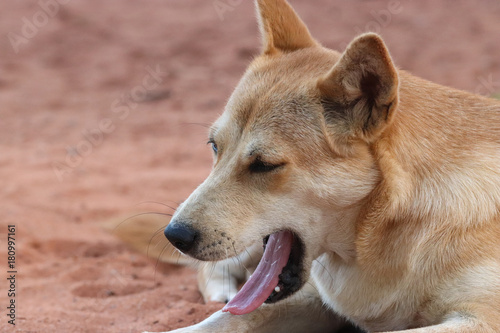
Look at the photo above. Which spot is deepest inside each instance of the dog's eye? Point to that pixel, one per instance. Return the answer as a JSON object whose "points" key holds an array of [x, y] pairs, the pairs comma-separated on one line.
{"points": [[258, 166], [214, 146]]}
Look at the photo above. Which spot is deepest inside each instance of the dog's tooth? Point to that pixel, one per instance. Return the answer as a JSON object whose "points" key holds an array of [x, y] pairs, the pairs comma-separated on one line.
{"points": [[277, 289]]}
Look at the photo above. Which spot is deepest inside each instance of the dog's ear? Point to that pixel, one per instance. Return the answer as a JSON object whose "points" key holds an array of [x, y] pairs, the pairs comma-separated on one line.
{"points": [[360, 93], [281, 27]]}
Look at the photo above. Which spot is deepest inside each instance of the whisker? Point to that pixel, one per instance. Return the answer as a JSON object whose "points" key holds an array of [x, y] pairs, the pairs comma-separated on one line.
{"points": [[228, 280], [224, 274], [239, 260], [159, 203], [205, 125], [140, 214], [151, 239], [331, 277], [249, 254], [312, 285], [158, 261], [179, 256], [211, 272]]}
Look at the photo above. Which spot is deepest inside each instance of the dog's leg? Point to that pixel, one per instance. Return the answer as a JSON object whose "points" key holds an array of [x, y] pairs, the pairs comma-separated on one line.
{"points": [[454, 324], [218, 281], [302, 312]]}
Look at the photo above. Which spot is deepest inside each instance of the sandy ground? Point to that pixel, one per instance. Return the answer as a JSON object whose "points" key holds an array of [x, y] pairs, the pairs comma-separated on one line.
{"points": [[104, 108]]}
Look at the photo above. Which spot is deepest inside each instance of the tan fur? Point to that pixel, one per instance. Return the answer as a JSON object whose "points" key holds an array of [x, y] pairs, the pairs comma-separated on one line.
{"points": [[392, 183], [287, 33]]}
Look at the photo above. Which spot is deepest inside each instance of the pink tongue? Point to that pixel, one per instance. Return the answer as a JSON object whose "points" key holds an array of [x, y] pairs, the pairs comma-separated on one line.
{"points": [[266, 276]]}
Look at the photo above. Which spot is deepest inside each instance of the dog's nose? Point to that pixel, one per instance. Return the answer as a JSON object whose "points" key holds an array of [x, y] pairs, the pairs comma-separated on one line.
{"points": [[181, 236]]}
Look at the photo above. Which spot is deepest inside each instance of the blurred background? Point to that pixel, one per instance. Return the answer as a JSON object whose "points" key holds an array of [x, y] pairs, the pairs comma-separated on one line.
{"points": [[104, 109]]}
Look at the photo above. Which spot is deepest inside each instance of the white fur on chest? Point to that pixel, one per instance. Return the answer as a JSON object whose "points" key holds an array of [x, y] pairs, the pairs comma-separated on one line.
{"points": [[350, 293]]}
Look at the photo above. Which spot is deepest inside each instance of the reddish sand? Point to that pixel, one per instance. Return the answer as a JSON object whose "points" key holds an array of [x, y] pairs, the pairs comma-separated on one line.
{"points": [[104, 107]]}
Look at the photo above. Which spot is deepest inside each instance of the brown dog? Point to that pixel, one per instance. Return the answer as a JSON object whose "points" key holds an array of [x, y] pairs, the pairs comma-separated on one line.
{"points": [[377, 193]]}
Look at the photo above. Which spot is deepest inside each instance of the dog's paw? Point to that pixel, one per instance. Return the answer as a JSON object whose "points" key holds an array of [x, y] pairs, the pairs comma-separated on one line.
{"points": [[182, 330], [221, 296], [190, 329], [216, 285], [218, 322]]}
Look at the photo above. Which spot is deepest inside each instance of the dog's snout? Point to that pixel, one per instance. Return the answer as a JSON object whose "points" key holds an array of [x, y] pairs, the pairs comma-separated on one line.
{"points": [[181, 236]]}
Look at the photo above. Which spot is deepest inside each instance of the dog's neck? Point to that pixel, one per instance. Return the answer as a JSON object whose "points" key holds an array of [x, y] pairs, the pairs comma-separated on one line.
{"points": [[432, 172], [437, 146]]}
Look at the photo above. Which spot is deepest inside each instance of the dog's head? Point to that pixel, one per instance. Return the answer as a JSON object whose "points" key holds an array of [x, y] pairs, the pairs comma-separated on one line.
{"points": [[292, 149]]}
